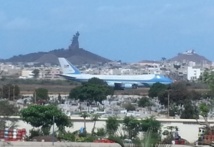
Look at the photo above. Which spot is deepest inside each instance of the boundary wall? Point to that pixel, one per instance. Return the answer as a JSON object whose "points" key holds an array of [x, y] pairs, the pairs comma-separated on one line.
{"points": [[188, 128]]}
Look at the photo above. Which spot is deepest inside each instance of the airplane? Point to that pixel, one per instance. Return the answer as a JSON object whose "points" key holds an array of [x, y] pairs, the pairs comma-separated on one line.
{"points": [[70, 72]]}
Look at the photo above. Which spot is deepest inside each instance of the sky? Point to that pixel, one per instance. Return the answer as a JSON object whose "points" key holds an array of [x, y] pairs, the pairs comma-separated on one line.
{"points": [[125, 30]]}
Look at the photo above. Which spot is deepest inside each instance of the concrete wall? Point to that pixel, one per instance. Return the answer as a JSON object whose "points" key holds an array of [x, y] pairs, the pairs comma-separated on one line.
{"points": [[188, 128]]}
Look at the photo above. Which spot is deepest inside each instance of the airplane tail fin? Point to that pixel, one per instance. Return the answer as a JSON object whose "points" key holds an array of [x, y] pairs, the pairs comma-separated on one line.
{"points": [[67, 67]]}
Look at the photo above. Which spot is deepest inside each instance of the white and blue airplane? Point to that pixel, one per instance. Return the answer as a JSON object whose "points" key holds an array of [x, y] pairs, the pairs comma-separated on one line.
{"points": [[70, 72]]}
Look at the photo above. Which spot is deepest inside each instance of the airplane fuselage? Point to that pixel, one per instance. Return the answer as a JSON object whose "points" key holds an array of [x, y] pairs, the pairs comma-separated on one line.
{"points": [[138, 80], [124, 81]]}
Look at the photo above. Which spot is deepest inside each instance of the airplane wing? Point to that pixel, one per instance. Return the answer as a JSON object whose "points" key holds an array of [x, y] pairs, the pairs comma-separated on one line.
{"points": [[69, 77]]}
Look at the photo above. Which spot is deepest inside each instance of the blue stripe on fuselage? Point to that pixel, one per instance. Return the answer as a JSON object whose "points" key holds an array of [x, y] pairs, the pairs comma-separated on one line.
{"points": [[161, 79]]}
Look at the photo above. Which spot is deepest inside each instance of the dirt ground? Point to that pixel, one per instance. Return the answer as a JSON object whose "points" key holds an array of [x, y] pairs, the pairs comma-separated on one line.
{"points": [[65, 89], [55, 89]]}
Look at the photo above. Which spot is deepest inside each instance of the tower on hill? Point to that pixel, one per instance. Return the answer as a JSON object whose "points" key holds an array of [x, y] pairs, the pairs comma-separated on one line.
{"points": [[75, 42]]}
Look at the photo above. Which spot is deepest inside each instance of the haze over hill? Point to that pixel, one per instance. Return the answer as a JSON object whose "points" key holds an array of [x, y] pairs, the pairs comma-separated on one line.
{"points": [[74, 54], [77, 55]]}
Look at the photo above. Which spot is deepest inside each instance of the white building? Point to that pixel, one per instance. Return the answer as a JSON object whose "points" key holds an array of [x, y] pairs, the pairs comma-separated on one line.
{"points": [[193, 73], [26, 74]]}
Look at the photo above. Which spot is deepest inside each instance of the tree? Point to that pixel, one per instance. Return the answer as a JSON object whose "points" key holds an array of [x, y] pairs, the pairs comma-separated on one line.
{"points": [[112, 125], [6, 109], [93, 90], [208, 78], [150, 124], [10, 91], [129, 106], [174, 109], [150, 127], [84, 115], [44, 117], [76, 94], [144, 102], [177, 94], [41, 94], [156, 88], [94, 117], [190, 111], [101, 132], [35, 73], [204, 109], [132, 126], [97, 81]]}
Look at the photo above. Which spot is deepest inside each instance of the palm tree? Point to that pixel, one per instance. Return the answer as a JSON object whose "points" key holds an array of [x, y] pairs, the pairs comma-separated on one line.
{"points": [[112, 125], [84, 115], [94, 118]]}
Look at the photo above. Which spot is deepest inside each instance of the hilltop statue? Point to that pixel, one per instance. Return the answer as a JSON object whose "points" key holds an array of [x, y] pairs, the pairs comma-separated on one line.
{"points": [[75, 42]]}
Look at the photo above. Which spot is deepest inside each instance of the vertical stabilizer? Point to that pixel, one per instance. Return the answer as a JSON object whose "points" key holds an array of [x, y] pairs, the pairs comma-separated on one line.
{"points": [[67, 67]]}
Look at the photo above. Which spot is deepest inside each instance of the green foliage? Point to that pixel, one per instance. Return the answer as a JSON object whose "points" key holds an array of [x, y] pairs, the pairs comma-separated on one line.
{"points": [[45, 116], [194, 95], [101, 132], [156, 88], [129, 107], [150, 124], [204, 109], [34, 133], [94, 90], [7, 109], [90, 138], [151, 138], [190, 111], [84, 115], [10, 91], [178, 94], [173, 110], [75, 93], [208, 78], [94, 117], [68, 136], [131, 126], [41, 94], [112, 125], [46, 129], [163, 98], [144, 102], [97, 81]]}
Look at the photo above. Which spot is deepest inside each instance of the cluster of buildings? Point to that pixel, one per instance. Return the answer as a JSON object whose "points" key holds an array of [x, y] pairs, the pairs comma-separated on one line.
{"points": [[26, 71], [183, 69]]}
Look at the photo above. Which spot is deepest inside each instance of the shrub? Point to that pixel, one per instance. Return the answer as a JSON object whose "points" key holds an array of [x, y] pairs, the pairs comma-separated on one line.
{"points": [[66, 136]]}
